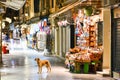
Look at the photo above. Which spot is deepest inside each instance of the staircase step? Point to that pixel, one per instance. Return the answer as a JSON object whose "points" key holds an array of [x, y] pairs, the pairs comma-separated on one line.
{"points": [[104, 73]]}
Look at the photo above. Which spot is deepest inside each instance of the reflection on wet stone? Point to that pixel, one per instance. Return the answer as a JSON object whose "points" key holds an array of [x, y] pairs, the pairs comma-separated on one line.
{"points": [[22, 66]]}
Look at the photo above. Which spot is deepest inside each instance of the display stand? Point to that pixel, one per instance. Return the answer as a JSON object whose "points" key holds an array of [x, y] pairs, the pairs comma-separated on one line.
{"points": [[86, 67], [92, 36], [86, 55], [41, 40]]}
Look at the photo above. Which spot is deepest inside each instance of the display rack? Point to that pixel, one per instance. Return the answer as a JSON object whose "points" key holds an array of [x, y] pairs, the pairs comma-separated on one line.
{"points": [[92, 36]]}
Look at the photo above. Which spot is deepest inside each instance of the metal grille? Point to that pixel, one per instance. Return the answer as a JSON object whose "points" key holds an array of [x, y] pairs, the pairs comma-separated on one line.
{"points": [[116, 54], [100, 33]]}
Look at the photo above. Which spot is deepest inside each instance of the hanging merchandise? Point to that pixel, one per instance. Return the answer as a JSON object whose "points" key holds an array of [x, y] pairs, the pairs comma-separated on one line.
{"points": [[63, 23], [74, 16], [78, 30], [47, 29], [45, 23], [40, 24]]}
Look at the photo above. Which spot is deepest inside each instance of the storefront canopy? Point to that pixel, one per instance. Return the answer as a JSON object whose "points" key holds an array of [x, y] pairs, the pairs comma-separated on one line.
{"points": [[96, 3], [13, 4]]}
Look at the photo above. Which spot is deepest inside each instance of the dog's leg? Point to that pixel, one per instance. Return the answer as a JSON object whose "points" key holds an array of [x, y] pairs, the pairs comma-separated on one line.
{"points": [[38, 70], [48, 68]]}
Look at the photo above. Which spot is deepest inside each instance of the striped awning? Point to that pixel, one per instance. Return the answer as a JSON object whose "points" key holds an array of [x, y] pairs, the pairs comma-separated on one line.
{"points": [[13, 4]]}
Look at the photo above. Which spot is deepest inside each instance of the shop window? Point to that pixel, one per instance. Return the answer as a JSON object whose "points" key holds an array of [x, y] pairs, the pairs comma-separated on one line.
{"points": [[36, 6], [62, 0]]}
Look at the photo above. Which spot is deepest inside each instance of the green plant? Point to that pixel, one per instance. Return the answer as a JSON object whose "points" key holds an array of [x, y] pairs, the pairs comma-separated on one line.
{"points": [[88, 10]]}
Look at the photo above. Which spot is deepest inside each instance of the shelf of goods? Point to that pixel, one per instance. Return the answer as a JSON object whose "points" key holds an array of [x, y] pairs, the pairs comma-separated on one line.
{"points": [[92, 36], [82, 60]]}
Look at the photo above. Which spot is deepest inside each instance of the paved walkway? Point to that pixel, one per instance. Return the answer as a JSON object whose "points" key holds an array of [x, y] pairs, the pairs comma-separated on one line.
{"points": [[20, 65]]}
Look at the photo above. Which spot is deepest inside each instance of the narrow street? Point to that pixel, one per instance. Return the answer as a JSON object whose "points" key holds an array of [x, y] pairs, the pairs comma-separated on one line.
{"points": [[20, 64]]}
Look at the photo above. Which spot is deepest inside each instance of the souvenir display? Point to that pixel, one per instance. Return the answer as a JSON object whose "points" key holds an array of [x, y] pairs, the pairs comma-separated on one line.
{"points": [[86, 50]]}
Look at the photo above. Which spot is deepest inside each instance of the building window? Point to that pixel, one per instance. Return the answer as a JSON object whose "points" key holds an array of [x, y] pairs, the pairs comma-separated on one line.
{"points": [[52, 3], [62, 0], [47, 4], [43, 5], [36, 6]]}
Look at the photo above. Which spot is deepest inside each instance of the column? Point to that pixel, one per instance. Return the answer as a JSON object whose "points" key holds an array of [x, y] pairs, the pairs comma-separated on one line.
{"points": [[107, 38], [32, 8], [60, 41], [53, 32], [56, 41], [67, 38], [64, 41]]}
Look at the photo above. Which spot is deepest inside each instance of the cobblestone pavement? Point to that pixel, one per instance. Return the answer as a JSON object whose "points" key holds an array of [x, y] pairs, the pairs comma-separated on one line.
{"points": [[20, 65]]}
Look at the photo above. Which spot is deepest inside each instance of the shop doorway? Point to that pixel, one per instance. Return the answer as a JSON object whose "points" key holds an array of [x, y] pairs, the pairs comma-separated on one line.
{"points": [[72, 36]]}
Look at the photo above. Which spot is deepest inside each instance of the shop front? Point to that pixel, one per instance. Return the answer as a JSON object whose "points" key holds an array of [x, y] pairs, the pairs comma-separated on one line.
{"points": [[43, 36], [31, 35], [38, 35], [80, 42], [64, 36], [63, 31], [86, 56], [89, 38]]}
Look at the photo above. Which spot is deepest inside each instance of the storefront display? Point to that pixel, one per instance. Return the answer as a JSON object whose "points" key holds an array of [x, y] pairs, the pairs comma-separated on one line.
{"points": [[41, 40], [31, 35], [38, 35], [87, 54]]}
